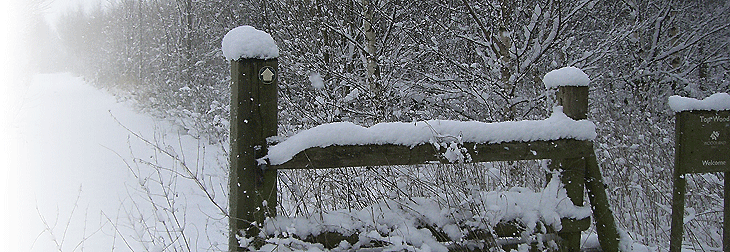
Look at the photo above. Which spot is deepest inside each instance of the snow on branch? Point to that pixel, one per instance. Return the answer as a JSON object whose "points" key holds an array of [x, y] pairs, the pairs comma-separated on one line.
{"points": [[558, 126]]}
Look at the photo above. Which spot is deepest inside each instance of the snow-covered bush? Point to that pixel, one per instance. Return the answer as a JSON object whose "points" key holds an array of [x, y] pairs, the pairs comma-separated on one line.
{"points": [[480, 60]]}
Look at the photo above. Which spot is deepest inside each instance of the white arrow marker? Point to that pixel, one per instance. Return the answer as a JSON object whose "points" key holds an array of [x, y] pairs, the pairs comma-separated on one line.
{"points": [[267, 75]]}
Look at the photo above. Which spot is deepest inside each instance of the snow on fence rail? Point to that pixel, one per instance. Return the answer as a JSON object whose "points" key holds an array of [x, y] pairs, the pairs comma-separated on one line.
{"points": [[565, 138], [435, 133]]}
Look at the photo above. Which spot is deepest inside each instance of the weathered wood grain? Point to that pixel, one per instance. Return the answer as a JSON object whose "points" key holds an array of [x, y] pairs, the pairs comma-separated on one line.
{"points": [[390, 154], [253, 118]]}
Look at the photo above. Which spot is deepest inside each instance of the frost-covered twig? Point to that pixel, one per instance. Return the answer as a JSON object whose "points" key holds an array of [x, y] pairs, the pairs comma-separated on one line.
{"points": [[191, 175]]}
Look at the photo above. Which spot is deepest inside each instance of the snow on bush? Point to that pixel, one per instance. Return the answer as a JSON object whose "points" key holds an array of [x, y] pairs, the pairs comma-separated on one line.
{"points": [[316, 80], [566, 76], [246, 42], [557, 126], [718, 101], [401, 225]]}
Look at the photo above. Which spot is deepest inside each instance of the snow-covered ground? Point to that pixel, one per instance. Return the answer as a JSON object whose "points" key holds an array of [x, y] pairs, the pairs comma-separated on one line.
{"points": [[76, 177], [71, 165]]}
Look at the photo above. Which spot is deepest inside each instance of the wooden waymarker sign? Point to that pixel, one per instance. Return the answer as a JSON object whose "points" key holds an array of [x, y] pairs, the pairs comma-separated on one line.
{"points": [[702, 145], [703, 141]]}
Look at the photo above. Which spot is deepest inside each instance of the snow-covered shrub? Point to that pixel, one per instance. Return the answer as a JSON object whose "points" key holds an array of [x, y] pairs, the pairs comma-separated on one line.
{"points": [[436, 60], [442, 218]]}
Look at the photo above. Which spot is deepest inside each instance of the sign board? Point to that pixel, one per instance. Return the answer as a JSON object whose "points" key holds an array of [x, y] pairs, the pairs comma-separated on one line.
{"points": [[267, 74], [703, 141], [702, 146]]}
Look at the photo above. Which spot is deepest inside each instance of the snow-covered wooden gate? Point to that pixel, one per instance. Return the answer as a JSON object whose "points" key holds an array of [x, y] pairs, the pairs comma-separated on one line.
{"points": [[565, 138]]}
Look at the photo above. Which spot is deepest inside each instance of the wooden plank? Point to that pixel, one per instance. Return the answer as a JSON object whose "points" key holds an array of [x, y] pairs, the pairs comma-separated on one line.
{"points": [[391, 154], [331, 240], [484, 237], [572, 176], [602, 214]]}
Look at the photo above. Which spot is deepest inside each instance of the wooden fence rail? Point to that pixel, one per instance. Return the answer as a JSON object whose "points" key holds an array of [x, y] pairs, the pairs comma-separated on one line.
{"points": [[391, 154]]}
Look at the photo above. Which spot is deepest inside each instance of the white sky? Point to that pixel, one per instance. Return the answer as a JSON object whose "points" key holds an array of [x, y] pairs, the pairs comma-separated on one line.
{"points": [[58, 7], [14, 21]]}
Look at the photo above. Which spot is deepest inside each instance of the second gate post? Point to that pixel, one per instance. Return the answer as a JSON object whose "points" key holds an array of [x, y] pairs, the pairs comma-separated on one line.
{"points": [[571, 87]]}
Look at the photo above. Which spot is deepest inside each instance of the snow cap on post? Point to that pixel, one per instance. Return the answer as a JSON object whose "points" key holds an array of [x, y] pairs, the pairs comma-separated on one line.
{"points": [[246, 42], [566, 76], [718, 101]]}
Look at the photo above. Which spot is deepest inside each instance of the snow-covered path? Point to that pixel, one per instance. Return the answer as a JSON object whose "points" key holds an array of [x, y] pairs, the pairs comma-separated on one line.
{"points": [[68, 176], [68, 166]]}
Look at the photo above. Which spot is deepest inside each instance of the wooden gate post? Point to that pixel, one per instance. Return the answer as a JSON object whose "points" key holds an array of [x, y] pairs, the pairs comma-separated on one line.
{"points": [[574, 100], [253, 190], [577, 173]]}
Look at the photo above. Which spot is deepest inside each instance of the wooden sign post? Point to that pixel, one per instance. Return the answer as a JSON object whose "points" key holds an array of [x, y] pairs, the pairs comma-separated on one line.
{"points": [[702, 145]]}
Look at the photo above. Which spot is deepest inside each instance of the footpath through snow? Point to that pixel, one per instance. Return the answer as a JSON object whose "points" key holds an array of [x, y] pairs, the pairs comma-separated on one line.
{"points": [[76, 181], [73, 166]]}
